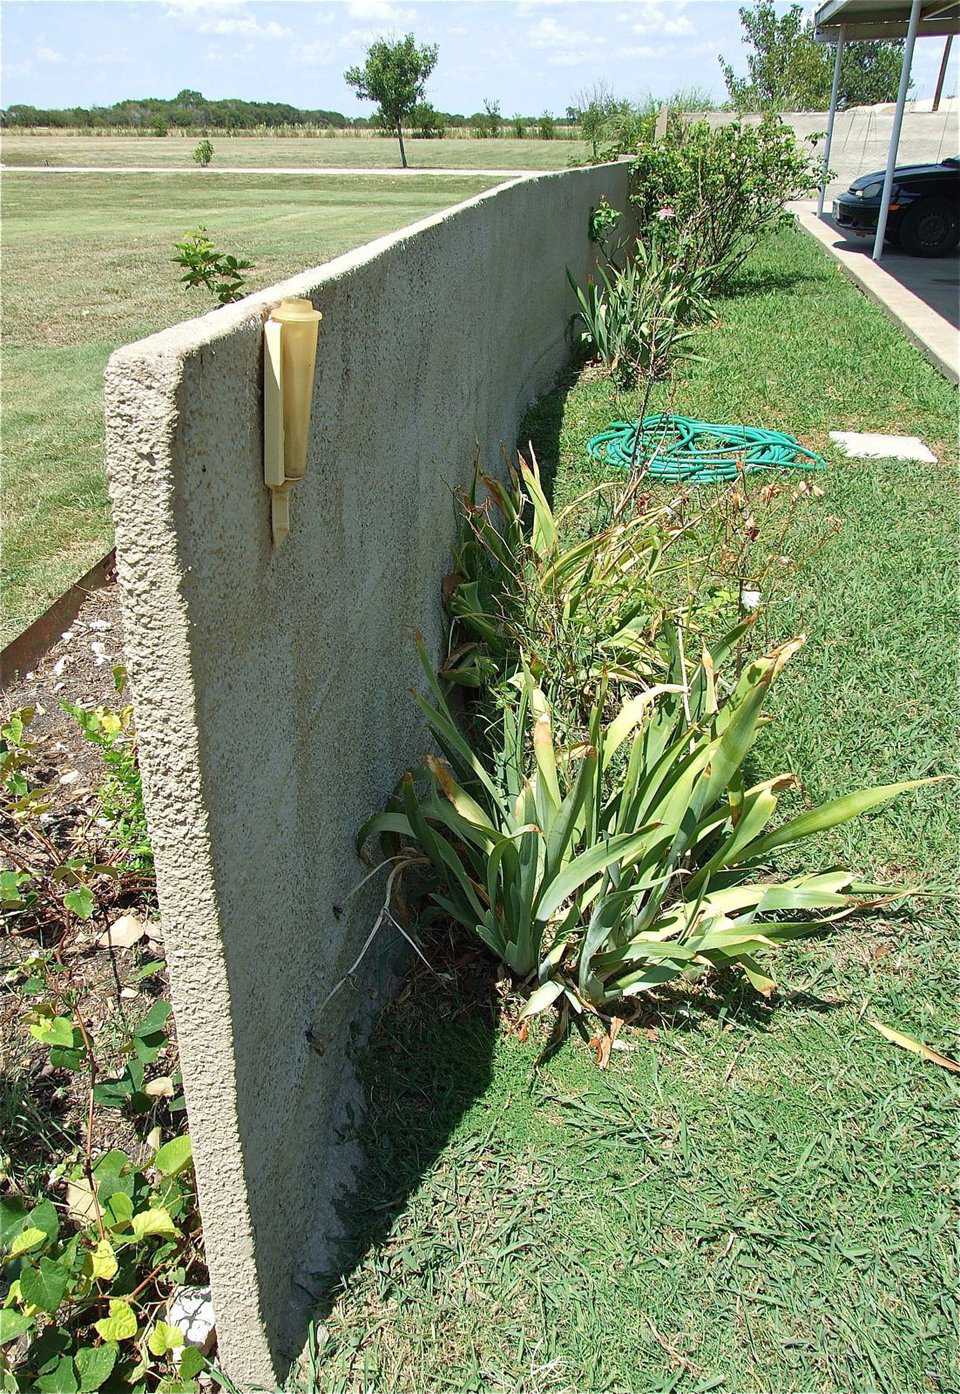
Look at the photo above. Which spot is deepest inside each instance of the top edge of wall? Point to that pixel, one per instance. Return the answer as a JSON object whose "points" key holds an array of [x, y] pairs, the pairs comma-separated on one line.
{"points": [[189, 335]]}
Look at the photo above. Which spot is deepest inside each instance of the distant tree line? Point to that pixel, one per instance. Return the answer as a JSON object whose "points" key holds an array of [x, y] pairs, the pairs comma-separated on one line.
{"points": [[192, 111], [188, 110]]}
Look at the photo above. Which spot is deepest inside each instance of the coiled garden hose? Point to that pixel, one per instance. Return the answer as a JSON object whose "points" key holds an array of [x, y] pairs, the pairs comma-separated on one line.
{"points": [[682, 450]]}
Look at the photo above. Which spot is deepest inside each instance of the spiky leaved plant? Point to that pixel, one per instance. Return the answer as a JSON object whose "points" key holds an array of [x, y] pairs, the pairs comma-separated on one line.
{"points": [[607, 869]]}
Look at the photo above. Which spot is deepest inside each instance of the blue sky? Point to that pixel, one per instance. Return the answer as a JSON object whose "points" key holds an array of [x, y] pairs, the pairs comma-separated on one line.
{"points": [[531, 55]]}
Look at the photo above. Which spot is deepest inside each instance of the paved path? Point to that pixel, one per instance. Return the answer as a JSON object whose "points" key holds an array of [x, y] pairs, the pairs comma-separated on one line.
{"points": [[268, 169], [920, 294]]}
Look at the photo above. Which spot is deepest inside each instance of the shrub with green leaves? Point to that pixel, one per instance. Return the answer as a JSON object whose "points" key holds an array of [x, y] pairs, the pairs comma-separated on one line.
{"points": [[206, 266], [121, 793], [640, 318], [203, 153], [724, 188], [602, 870], [89, 1266], [88, 1281], [581, 592], [57, 883]]}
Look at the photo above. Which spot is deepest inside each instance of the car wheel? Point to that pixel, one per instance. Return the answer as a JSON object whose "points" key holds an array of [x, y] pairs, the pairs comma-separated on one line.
{"points": [[930, 228]]}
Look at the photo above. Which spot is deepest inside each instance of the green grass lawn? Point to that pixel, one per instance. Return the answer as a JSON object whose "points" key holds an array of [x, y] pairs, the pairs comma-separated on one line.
{"points": [[266, 151], [753, 1197], [87, 266]]}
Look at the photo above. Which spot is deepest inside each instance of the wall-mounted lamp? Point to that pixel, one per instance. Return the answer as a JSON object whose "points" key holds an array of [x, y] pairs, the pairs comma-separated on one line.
{"points": [[289, 361]]}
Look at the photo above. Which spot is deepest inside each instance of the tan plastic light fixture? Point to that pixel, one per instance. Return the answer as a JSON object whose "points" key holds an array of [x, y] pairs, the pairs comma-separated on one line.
{"points": [[289, 363]]}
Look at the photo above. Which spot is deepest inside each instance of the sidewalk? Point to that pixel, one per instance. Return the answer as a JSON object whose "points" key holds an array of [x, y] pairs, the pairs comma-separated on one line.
{"points": [[464, 173]]}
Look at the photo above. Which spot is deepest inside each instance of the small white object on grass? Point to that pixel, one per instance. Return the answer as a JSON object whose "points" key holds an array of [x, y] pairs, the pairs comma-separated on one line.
{"points": [[749, 599], [868, 445]]}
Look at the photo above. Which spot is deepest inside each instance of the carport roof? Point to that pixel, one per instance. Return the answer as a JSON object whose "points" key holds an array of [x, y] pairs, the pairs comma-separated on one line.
{"points": [[884, 19]]}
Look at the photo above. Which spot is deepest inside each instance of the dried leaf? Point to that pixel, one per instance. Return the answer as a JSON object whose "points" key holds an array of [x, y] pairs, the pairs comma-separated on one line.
{"points": [[123, 933], [601, 1049], [80, 1201], [908, 1043]]}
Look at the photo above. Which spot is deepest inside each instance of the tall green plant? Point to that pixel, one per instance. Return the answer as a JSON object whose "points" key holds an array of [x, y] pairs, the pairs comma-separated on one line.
{"points": [[581, 592], [607, 869], [639, 319], [722, 188], [205, 265]]}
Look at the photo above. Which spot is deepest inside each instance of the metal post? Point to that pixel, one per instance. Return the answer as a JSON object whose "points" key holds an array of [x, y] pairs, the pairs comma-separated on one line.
{"points": [[834, 93], [897, 123], [943, 73]]}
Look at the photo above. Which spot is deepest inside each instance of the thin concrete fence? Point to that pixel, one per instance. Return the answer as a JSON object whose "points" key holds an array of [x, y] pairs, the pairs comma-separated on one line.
{"points": [[861, 137], [271, 683]]}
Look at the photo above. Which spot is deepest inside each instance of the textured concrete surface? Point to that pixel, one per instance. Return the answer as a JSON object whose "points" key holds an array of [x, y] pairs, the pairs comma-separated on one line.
{"points": [[271, 686], [920, 294], [861, 138], [871, 445]]}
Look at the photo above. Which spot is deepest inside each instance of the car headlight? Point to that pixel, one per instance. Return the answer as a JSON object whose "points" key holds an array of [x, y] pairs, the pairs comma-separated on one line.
{"points": [[871, 191]]}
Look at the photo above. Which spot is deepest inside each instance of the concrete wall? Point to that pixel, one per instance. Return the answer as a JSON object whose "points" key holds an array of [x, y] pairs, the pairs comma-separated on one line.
{"points": [[271, 685], [861, 138]]}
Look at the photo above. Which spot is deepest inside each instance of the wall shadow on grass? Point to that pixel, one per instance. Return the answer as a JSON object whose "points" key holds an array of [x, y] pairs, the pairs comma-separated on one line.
{"points": [[542, 426], [428, 1059], [750, 281]]}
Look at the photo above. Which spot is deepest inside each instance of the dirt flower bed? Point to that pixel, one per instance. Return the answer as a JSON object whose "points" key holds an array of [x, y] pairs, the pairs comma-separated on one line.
{"points": [[100, 1239]]}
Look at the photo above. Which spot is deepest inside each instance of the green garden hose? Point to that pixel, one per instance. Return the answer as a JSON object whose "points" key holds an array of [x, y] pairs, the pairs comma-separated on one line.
{"points": [[682, 450]]}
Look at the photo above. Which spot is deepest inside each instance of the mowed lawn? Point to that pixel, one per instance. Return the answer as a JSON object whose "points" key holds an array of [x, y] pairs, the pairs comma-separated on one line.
{"points": [[88, 266], [753, 1198], [294, 151]]}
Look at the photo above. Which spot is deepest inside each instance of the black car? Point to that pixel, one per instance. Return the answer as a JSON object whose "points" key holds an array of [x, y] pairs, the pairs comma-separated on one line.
{"points": [[924, 215]]}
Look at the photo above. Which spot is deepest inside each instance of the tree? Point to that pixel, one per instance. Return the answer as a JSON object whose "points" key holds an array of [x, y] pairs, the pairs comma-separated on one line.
{"points": [[790, 71], [394, 76], [494, 121], [593, 108], [427, 122]]}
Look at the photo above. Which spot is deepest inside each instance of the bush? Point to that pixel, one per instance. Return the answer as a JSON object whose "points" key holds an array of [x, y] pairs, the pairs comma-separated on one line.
{"points": [[203, 153], [725, 189], [546, 127], [218, 272], [92, 1243], [426, 122], [591, 820], [602, 871], [494, 118], [580, 593], [625, 124], [637, 318]]}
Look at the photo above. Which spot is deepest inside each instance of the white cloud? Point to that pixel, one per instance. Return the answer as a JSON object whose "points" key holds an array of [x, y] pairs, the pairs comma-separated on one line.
{"points": [[650, 17], [47, 55], [188, 8], [314, 54], [566, 44], [109, 56], [380, 12], [647, 50], [246, 27], [224, 17]]}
